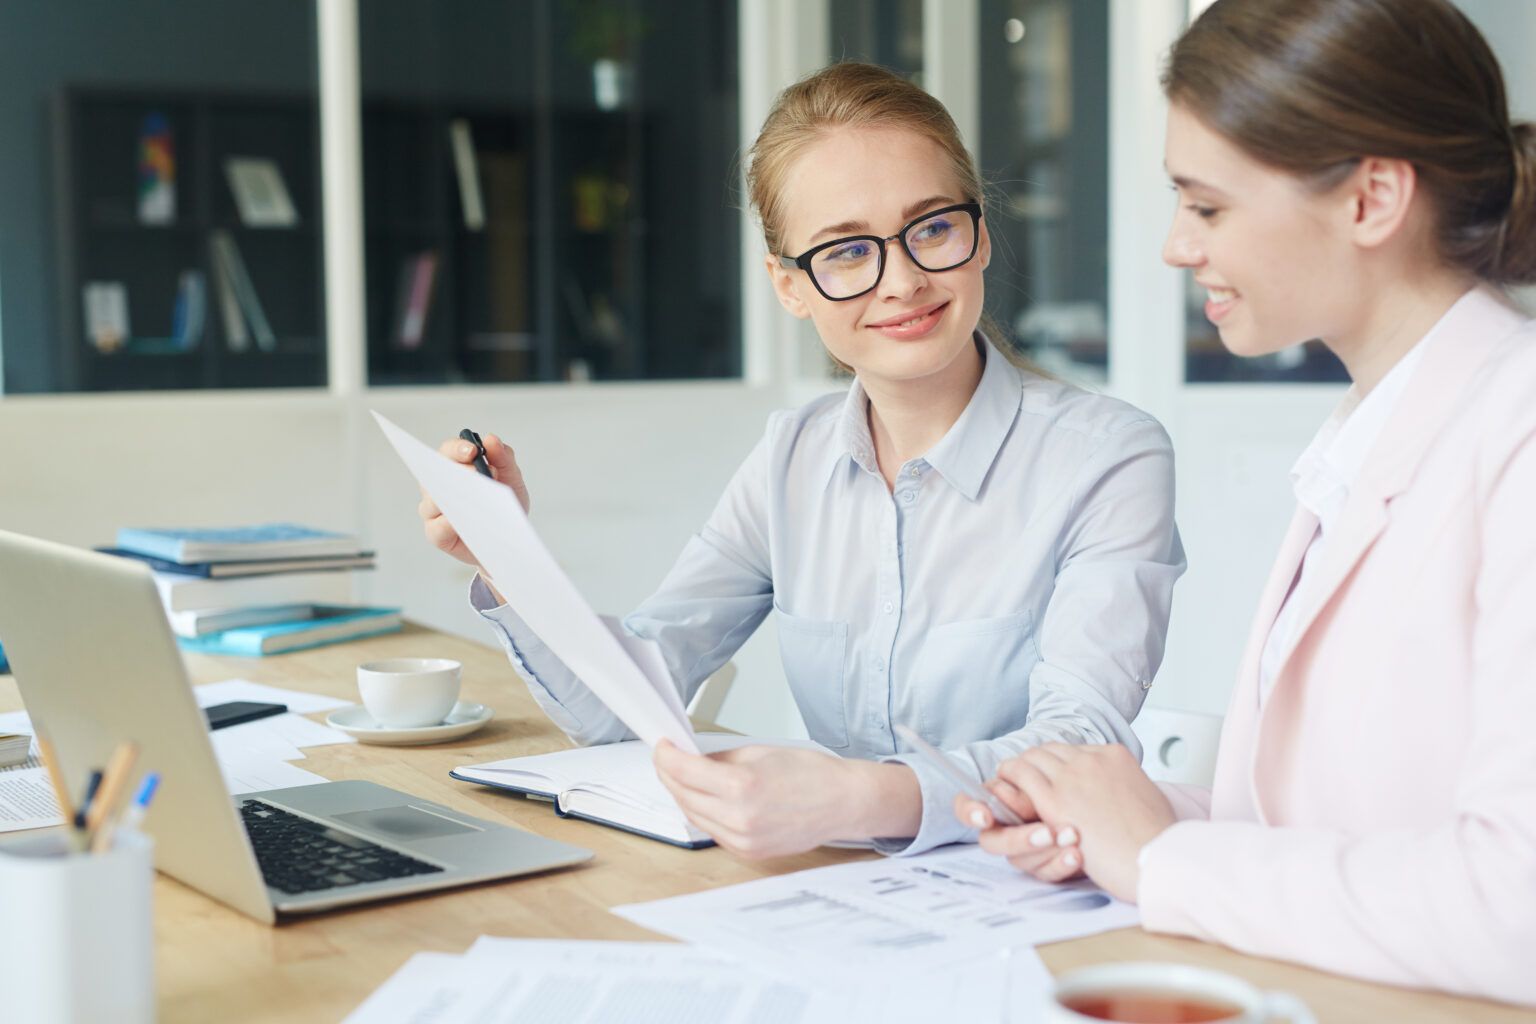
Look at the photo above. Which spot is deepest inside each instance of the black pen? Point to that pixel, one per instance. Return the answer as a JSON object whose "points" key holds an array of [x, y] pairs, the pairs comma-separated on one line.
{"points": [[480, 463], [92, 784]]}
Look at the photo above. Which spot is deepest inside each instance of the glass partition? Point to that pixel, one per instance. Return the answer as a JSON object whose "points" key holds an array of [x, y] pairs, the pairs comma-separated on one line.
{"points": [[548, 190], [1044, 148], [884, 32], [160, 196]]}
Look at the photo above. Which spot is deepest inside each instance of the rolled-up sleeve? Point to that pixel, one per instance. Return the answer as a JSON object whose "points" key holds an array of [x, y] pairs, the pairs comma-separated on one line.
{"points": [[1102, 634], [714, 597]]}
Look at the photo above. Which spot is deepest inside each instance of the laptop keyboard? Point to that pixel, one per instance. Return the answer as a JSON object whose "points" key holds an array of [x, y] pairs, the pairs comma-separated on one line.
{"points": [[297, 855]]}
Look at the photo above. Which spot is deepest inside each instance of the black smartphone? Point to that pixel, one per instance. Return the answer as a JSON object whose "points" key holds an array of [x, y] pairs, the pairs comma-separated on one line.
{"points": [[237, 711]]}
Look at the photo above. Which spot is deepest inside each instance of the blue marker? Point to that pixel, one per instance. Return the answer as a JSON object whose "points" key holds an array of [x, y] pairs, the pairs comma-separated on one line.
{"points": [[135, 813]]}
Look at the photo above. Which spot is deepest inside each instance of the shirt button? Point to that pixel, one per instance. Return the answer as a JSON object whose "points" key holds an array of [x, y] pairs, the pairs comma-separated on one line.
{"points": [[1146, 684], [908, 497], [889, 607], [879, 665], [913, 471]]}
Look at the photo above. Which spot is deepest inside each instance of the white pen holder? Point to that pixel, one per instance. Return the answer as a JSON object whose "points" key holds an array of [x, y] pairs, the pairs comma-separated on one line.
{"points": [[77, 932]]}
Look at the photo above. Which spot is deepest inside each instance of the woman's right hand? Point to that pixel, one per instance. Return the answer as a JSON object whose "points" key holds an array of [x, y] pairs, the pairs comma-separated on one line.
{"points": [[440, 532], [1035, 848]]}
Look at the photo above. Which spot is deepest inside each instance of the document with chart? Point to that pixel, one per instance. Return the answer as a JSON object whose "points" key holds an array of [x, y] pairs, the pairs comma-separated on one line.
{"points": [[895, 914]]}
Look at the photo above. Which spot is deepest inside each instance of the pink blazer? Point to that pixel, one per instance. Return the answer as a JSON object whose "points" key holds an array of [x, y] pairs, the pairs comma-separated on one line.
{"points": [[1378, 816]]}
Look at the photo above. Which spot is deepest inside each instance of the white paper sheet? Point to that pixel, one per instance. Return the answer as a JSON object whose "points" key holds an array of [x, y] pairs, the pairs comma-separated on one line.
{"points": [[494, 526], [254, 745], [896, 915], [500, 981], [298, 702], [290, 728], [249, 774], [26, 800], [978, 990], [590, 983], [647, 656]]}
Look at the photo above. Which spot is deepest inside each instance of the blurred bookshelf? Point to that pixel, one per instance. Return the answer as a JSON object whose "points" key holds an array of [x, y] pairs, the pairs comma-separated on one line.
{"points": [[465, 206], [549, 191], [169, 278]]}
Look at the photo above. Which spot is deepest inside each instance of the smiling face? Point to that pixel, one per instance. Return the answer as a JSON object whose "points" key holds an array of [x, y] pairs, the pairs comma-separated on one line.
{"points": [[1279, 260], [915, 324]]}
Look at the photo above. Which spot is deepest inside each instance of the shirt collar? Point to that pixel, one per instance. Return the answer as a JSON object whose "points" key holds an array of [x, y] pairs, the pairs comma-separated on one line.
{"points": [[1338, 453], [965, 454]]}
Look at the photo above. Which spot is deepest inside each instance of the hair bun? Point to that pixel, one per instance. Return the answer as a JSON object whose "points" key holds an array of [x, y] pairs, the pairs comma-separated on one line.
{"points": [[1517, 248]]}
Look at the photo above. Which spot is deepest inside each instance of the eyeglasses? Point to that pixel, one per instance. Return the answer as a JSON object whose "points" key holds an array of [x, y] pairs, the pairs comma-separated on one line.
{"points": [[846, 268]]}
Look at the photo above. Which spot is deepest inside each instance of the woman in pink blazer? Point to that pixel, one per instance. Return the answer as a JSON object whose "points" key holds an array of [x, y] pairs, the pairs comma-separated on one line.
{"points": [[1347, 170]]}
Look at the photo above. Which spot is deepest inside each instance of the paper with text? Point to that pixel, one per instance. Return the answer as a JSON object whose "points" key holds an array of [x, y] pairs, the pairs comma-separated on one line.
{"points": [[493, 525], [500, 981], [26, 800], [896, 915]]}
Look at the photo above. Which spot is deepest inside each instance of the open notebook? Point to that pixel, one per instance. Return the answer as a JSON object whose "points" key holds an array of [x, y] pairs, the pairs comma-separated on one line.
{"points": [[611, 784]]}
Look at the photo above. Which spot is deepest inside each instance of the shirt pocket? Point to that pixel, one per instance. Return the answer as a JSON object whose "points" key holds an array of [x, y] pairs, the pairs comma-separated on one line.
{"points": [[814, 652], [970, 681]]}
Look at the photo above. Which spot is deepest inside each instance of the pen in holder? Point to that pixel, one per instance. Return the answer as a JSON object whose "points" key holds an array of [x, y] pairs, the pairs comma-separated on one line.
{"points": [[78, 940]]}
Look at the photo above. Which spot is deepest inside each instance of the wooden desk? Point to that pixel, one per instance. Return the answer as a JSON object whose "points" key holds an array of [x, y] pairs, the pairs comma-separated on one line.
{"points": [[214, 964]]}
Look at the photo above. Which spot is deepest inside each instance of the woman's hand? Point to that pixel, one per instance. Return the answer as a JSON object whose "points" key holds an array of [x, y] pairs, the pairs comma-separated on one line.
{"points": [[1102, 795], [440, 532], [764, 801], [1034, 847]]}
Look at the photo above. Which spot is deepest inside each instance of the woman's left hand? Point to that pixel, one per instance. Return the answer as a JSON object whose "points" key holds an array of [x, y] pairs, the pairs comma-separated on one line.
{"points": [[1102, 793], [761, 801]]}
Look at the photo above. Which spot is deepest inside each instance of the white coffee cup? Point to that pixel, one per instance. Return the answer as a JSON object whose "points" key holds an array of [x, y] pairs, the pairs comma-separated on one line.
{"points": [[408, 693], [1168, 983]]}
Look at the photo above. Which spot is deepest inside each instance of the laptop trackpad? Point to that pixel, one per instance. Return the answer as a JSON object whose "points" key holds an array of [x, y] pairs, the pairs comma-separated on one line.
{"points": [[403, 823]]}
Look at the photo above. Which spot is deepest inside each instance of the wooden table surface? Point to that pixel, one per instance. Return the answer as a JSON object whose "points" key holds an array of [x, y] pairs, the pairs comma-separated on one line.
{"points": [[215, 964]]}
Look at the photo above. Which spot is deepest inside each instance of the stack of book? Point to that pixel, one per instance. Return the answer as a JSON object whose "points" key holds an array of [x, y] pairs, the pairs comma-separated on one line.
{"points": [[257, 589], [15, 748]]}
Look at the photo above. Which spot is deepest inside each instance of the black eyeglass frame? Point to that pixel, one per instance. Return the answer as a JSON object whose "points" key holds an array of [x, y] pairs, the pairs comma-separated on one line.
{"points": [[803, 261]]}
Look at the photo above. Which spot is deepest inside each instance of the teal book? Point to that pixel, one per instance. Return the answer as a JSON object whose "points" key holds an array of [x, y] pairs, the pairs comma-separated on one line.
{"points": [[237, 543], [331, 624]]}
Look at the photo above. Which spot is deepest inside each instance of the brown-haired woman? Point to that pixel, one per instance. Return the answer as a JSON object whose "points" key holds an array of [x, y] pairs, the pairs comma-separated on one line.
{"points": [[1347, 170], [957, 544]]}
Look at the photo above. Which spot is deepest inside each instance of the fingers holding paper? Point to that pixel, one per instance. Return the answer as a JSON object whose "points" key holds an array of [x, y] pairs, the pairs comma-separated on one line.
{"points": [[758, 801], [439, 531]]}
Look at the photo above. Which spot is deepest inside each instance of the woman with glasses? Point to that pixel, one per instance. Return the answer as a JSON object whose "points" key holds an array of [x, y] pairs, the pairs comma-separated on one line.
{"points": [[958, 544], [1348, 170]]}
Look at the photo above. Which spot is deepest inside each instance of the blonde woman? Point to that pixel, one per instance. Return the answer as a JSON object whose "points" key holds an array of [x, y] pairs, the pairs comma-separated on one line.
{"points": [[1347, 170], [957, 544]]}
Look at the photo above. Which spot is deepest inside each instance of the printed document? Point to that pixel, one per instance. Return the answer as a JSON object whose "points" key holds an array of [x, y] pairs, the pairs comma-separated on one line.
{"points": [[894, 915], [26, 800], [494, 526], [501, 981]]}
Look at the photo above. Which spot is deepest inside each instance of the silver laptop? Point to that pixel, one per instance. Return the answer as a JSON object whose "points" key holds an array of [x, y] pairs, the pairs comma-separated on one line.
{"points": [[94, 657]]}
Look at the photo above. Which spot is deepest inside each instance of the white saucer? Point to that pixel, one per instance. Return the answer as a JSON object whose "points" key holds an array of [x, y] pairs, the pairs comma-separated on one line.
{"points": [[464, 719]]}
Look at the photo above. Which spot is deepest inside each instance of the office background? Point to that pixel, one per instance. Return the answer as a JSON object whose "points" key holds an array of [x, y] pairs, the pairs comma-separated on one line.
{"points": [[607, 311]]}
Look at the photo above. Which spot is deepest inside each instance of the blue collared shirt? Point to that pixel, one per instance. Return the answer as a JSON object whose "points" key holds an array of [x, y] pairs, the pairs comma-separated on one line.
{"points": [[1012, 589]]}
